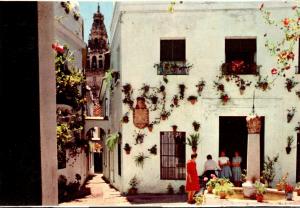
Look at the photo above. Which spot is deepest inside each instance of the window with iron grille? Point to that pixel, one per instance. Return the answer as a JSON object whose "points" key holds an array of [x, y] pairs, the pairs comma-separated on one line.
{"points": [[240, 56], [172, 50], [172, 155]]}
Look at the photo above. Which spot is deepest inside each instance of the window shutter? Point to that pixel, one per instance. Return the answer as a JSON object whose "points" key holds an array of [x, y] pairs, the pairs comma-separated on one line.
{"points": [[178, 50]]}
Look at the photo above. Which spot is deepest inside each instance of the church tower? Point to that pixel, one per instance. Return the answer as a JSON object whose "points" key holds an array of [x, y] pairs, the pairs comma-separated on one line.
{"points": [[98, 48]]}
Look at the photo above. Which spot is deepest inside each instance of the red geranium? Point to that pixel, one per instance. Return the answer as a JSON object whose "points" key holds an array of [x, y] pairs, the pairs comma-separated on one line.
{"points": [[291, 55], [274, 71], [286, 22], [289, 188], [58, 48]]}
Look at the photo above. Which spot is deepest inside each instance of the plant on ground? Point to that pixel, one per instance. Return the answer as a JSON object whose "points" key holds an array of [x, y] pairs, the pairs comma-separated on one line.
{"points": [[268, 172]]}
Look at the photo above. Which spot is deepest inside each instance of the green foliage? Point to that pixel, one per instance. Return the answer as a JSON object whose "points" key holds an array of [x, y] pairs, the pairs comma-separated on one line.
{"points": [[260, 187], [112, 140], [193, 140], [268, 173], [140, 159], [223, 185], [68, 80]]}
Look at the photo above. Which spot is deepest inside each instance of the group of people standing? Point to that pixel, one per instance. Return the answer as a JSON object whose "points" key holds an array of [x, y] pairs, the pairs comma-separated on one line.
{"points": [[223, 169]]}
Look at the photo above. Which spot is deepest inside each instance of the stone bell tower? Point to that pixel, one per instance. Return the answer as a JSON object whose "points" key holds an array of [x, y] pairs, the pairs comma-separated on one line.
{"points": [[98, 47]]}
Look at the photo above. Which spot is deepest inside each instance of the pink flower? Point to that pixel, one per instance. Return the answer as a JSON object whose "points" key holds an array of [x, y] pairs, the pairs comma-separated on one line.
{"points": [[58, 48], [213, 175], [274, 71], [205, 179]]}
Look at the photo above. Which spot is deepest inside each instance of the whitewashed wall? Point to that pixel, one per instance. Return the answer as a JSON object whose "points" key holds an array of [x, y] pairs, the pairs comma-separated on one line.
{"points": [[138, 28], [69, 31]]}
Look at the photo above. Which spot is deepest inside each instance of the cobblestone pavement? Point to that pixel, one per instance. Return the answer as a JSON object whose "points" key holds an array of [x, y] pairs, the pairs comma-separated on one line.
{"points": [[104, 195]]}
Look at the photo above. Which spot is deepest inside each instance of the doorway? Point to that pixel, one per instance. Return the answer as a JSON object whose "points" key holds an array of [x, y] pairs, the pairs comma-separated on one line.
{"points": [[98, 162], [233, 136]]}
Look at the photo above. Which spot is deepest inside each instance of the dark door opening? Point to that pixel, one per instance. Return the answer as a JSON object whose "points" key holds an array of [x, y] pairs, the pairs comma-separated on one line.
{"points": [[233, 136], [298, 158], [98, 162]]}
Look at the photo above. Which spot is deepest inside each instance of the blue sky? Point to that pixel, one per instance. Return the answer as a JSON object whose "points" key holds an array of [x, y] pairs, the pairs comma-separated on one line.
{"points": [[87, 10]]}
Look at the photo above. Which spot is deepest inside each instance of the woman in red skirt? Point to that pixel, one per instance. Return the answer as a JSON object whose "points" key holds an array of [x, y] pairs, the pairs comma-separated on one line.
{"points": [[192, 180]]}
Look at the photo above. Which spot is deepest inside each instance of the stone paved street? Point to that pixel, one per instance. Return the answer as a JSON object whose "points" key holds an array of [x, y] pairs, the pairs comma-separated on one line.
{"points": [[104, 195]]}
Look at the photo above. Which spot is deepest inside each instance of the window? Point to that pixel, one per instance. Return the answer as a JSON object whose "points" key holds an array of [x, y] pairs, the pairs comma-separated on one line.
{"points": [[172, 58], [172, 155], [172, 50], [94, 62], [240, 56]]}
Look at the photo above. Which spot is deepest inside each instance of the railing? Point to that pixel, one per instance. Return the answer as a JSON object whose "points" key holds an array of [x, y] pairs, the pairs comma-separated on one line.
{"points": [[173, 68], [239, 68]]}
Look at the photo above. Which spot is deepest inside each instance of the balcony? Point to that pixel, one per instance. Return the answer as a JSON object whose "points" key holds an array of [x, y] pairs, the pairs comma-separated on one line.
{"points": [[173, 68], [240, 68]]}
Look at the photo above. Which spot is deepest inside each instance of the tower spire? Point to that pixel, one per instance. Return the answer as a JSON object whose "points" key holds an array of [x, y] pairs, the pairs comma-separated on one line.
{"points": [[98, 10]]}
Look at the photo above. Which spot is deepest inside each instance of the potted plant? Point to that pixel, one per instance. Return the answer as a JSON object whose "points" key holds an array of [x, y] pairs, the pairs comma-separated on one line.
{"points": [[127, 148], [282, 182], [162, 88], [290, 83], [153, 150], [175, 100], [196, 125], [140, 159], [192, 99], [219, 86], [289, 191], [154, 99], [174, 127], [133, 186], [291, 113], [268, 172], [150, 127], [263, 84], [139, 138], [200, 86], [112, 140], [290, 140], [298, 188], [170, 189], [164, 115], [225, 98], [181, 189], [145, 89], [193, 141], [211, 184], [76, 15], [260, 191], [223, 188], [181, 90], [125, 118]]}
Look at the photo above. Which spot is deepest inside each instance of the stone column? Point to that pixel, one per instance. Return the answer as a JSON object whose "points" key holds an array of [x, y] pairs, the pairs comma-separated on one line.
{"points": [[253, 154]]}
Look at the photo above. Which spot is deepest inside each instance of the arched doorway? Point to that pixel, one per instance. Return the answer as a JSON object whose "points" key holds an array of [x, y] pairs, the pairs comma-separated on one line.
{"points": [[96, 136]]}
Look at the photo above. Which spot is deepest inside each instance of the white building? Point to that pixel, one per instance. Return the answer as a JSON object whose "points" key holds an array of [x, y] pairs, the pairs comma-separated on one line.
{"points": [[206, 35]]}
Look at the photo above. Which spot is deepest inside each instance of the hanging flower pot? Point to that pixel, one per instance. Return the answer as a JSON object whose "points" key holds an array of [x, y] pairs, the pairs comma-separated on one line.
{"points": [[192, 99], [196, 125], [222, 194], [174, 127], [175, 100], [259, 197], [194, 149], [150, 127], [288, 150], [125, 119]]}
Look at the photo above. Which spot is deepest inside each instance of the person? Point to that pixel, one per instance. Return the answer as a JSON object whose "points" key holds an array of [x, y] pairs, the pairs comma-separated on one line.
{"points": [[210, 167], [224, 164], [192, 180], [236, 168]]}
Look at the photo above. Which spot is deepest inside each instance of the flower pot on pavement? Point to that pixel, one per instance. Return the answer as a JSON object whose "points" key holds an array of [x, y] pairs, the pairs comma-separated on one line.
{"points": [[259, 197], [289, 196], [222, 195], [209, 189]]}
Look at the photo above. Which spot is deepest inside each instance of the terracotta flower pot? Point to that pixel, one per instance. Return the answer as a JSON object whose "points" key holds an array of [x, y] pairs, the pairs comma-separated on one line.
{"points": [[288, 150], [127, 152], [174, 128], [150, 128], [259, 197], [194, 149], [279, 187], [193, 101], [163, 117], [209, 189], [298, 192], [222, 195]]}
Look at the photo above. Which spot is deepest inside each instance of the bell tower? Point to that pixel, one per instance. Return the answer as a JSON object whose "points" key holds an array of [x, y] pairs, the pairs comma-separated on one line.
{"points": [[98, 47]]}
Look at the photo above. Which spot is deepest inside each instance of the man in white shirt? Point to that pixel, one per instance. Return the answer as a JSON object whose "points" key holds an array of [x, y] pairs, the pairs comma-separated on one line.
{"points": [[210, 167]]}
